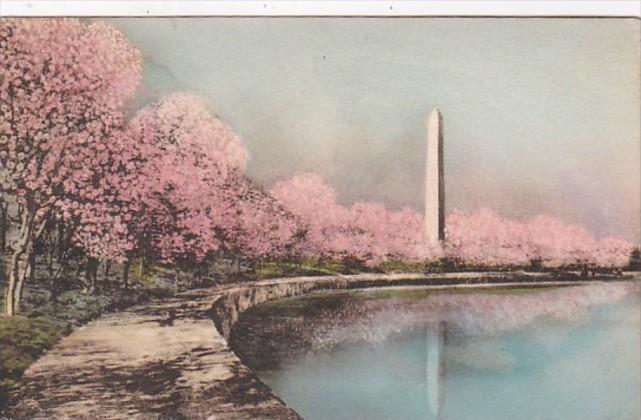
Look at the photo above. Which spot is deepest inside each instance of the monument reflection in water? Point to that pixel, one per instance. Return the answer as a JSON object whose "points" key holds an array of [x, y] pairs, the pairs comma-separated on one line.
{"points": [[435, 367]]}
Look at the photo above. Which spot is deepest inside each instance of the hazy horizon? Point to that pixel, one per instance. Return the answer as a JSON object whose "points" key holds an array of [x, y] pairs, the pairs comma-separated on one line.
{"points": [[540, 115]]}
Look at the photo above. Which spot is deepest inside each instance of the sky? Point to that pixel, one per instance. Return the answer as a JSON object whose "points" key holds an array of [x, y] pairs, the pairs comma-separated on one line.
{"points": [[540, 115]]}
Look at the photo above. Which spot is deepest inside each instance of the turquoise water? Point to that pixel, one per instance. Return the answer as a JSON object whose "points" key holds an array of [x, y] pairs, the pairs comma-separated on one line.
{"points": [[553, 355]]}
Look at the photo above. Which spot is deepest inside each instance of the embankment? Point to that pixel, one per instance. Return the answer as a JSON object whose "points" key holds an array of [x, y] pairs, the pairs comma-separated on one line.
{"points": [[170, 359]]}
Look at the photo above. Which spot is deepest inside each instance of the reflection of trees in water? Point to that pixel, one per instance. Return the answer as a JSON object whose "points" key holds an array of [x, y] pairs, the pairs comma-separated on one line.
{"points": [[269, 334], [272, 333]]}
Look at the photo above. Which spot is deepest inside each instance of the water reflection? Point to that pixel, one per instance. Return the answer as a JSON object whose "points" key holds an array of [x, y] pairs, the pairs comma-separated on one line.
{"points": [[566, 354], [435, 367]]}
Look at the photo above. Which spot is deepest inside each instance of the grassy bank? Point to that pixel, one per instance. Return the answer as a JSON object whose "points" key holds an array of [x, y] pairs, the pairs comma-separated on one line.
{"points": [[306, 267]]}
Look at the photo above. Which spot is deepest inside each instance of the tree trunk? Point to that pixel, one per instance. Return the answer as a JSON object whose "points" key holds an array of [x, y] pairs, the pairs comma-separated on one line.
{"points": [[125, 273], [33, 266], [236, 264], [55, 287], [4, 224], [29, 274], [91, 274], [49, 260], [16, 271], [22, 250], [94, 276], [141, 268], [107, 268], [61, 239], [54, 290]]}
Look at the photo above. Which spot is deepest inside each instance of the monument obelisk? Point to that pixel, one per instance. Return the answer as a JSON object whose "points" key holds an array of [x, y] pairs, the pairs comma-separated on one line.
{"points": [[434, 185]]}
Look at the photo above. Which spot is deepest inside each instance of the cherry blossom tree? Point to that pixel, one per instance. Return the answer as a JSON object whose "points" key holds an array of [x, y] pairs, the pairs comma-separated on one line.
{"points": [[309, 198], [370, 231], [484, 238], [557, 244], [380, 234], [407, 237], [63, 84], [264, 227], [192, 179], [612, 252]]}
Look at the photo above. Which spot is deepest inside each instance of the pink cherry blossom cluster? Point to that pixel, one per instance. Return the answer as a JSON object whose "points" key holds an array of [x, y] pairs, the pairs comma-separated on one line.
{"points": [[483, 237], [63, 85], [169, 182], [367, 232], [371, 233], [195, 198]]}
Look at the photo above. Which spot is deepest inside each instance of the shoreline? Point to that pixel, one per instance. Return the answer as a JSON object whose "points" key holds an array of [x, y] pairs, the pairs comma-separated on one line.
{"points": [[164, 358]]}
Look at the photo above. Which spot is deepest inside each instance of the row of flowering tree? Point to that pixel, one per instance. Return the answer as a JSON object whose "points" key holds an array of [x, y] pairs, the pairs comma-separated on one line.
{"points": [[168, 184], [370, 233], [485, 238]]}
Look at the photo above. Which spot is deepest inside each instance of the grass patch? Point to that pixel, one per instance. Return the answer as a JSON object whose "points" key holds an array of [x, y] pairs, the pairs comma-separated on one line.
{"points": [[397, 266], [306, 267], [22, 340], [25, 337]]}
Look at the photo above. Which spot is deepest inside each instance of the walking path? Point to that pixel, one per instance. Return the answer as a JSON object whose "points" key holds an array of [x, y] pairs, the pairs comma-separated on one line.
{"points": [[171, 360]]}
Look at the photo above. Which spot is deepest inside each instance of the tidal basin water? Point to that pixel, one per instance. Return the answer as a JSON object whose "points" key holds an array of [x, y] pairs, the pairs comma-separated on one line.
{"points": [[565, 353]]}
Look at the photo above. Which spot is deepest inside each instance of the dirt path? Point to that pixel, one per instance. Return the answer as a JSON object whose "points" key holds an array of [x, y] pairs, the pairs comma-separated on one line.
{"points": [[170, 359]]}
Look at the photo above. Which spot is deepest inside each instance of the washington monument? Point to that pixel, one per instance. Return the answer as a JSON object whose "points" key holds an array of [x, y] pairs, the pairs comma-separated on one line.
{"points": [[434, 186]]}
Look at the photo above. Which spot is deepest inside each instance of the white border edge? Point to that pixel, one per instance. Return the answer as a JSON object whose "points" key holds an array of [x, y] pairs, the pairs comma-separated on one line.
{"points": [[580, 8]]}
